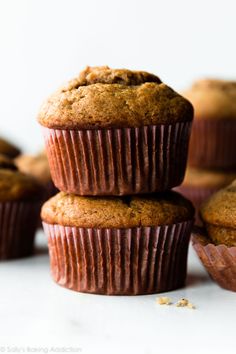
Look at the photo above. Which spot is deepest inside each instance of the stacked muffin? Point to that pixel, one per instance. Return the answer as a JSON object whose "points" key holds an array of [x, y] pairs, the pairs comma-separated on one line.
{"points": [[116, 141], [212, 158], [20, 197], [38, 167]]}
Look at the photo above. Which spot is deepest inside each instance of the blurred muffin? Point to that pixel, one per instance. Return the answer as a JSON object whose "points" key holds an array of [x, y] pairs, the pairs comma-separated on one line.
{"points": [[219, 216], [8, 149], [19, 209], [213, 143], [200, 184], [120, 246], [133, 124], [38, 167], [7, 163], [217, 249]]}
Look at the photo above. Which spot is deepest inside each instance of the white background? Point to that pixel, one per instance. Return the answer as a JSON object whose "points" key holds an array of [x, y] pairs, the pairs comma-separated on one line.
{"points": [[43, 43]]}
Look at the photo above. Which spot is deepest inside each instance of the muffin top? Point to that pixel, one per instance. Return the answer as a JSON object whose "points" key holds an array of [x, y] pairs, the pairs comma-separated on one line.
{"points": [[220, 208], [196, 177], [213, 99], [8, 149], [117, 212], [15, 185], [35, 165], [101, 97]]}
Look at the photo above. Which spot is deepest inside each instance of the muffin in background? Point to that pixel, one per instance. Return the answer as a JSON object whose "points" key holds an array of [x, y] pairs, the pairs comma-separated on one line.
{"points": [[118, 245], [20, 201], [217, 248], [213, 143], [38, 167], [8, 149], [200, 184], [134, 125]]}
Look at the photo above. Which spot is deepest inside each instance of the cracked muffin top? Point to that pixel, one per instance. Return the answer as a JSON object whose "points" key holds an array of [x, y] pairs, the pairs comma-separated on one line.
{"points": [[35, 165], [8, 149], [15, 185], [101, 97], [220, 208], [213, 99], [116, 212]]}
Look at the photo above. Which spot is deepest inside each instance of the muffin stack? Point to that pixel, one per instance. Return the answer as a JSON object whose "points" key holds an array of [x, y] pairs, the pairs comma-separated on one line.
{"points": [[37, 166], [212, 158], [20, 202], [116, 141]]}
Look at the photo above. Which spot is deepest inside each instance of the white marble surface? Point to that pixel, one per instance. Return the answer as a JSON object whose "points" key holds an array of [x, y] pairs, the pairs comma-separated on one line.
{"points": [[37, 316]]}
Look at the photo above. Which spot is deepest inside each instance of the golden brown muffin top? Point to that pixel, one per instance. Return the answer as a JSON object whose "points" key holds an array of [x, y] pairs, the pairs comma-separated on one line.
{"points": [[35, 165], [116, 212], [105, 98], [196, 177], [220, 208], [213, 99], [14, 185], [8, 149]]}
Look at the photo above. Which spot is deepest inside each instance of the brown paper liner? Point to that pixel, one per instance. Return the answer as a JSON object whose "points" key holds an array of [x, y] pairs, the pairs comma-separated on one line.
{"points": [[197, 195], [213, 144], [130, 261], [118, 161], [219, 261], [18, 223]]}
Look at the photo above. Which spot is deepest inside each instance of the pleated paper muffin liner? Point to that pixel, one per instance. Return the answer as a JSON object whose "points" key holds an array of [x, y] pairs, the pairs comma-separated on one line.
{"points": [[18, 223], [197, 195], [118, 161], [219, 261], [213, 144], [132, 261]]}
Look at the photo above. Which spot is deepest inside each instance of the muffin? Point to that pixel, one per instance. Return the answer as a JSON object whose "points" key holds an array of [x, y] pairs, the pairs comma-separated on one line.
{"points": [[116, 132], [38, 167], [213, 143], [118, 245], [19, 210], [200, 184], [7, 163], [8, 149], [217, 248]]}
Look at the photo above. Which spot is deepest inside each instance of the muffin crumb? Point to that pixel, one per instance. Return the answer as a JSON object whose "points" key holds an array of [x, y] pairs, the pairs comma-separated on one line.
{"points": [[164, 300], [185, 303]]}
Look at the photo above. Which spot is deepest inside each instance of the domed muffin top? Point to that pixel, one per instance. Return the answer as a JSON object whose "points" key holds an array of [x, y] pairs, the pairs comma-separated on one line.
{"points": [[15, 185], [8, 149], [117, 212], [197, 177], [34, 165], [220, 208], [213, 99], [101, 97]]}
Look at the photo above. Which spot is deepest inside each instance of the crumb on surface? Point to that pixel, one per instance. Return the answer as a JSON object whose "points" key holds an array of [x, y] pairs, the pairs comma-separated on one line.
{"points": [[185, 303], [163, 300]]}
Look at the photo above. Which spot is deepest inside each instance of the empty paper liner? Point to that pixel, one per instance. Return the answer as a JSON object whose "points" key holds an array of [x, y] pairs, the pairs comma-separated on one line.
{"points": [[118, 161], [142, 260]]}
